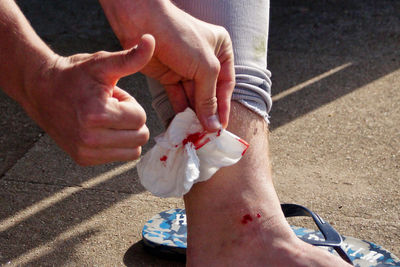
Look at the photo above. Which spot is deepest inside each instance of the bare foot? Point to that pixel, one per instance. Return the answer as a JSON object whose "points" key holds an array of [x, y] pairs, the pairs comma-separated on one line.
{"points": [[235, 219]]}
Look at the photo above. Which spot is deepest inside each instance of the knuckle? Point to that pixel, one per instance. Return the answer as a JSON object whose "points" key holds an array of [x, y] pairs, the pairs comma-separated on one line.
{"points": [[133, 154], [214, 66], [99, 55], [136, 152], [207, 104], [225, 34], [211, 101], [140, 117], [95, 64], [221, 31], [125, 59], [143, 135], [207, 64]]}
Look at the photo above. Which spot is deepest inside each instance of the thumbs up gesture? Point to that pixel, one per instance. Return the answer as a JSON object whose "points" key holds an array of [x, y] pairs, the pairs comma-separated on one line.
{"points": [[76, 101]]}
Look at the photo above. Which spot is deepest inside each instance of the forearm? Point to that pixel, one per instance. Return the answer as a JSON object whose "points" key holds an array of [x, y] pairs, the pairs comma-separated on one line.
{"points": [[22, 53]]}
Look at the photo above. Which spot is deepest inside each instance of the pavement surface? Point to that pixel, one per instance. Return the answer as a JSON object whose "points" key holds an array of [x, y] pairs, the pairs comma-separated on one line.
{"points": [[335, 138]]}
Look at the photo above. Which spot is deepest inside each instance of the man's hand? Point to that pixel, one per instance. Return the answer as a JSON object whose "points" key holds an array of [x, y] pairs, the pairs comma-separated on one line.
{"points": [[74, 99], [193, 60], [78, 104]]}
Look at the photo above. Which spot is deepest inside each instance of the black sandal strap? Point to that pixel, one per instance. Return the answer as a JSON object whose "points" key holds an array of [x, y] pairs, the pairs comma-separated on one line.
{"points": [[332, 237]]}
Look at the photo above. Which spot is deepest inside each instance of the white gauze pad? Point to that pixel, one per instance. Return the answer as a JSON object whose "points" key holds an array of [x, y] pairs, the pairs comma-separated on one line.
{"points": [[186, 154]]}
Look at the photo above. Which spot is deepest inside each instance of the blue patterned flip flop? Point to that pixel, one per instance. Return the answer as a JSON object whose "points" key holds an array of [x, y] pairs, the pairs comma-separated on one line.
{"points": [[165, 234]]}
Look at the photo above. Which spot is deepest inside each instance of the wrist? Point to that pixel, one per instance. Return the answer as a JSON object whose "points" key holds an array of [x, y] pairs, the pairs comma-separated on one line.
{"points": [[35, 75], [131, 19]]}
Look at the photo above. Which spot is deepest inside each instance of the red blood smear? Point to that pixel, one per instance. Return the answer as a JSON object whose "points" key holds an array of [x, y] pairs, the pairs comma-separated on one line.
{"points": [[258, 215], [244, 143], [198, 145], [164, 158], [246, 218], [195, 138], [219, 132]]}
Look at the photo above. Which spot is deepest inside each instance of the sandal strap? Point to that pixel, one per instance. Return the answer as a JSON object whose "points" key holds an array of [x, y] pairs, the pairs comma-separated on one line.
{"points": [[332, 237]]}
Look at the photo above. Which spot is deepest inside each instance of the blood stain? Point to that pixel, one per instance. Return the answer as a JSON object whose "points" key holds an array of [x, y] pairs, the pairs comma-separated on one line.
{"points": [[258, 215], [193, 138], [164, 158], [219, 132], [196, 139], [246, 218], [244, 143]]}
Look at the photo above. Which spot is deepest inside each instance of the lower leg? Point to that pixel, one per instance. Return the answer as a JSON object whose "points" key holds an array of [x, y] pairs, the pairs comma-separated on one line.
{"points": [[235, 217]]}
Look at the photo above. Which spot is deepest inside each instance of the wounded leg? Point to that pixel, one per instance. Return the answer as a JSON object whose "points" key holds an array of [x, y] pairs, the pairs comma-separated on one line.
{"points": [[235, 219]]}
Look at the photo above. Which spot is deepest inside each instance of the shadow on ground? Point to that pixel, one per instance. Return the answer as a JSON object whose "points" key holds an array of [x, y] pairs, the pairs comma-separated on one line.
{"points": [[320, 36], [139, 255]]}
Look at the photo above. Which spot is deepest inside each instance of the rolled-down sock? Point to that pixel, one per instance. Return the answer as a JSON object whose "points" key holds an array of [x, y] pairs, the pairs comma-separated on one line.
{"points": [[247, 23]]}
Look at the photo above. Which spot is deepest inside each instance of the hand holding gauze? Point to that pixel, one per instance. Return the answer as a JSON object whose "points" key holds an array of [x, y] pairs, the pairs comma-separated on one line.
{"points": [[186, 154]]}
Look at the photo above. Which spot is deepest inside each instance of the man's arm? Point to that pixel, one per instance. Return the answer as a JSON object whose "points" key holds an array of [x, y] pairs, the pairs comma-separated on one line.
{"points": [[74, 99], [22, 52]]}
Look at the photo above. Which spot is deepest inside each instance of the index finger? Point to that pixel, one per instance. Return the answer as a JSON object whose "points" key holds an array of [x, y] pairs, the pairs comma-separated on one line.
{"points": [[205, 94], [224, 90]]}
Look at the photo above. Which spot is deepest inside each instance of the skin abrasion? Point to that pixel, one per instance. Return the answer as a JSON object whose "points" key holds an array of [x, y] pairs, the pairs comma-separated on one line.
{"points": [[248, 218]]}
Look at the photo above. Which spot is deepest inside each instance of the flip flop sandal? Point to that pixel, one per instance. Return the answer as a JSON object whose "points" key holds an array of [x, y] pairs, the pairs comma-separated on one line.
{"points": [[165, 235]]}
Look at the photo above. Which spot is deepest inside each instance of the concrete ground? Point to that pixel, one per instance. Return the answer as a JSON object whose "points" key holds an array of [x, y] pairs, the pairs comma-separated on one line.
{"points": [[335, 138]]}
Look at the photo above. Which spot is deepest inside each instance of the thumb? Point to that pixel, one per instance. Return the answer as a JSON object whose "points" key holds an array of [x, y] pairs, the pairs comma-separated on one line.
{"points": [[115, 65]]}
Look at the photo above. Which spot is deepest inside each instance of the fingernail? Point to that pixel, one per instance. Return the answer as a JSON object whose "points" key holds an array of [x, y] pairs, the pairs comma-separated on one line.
{"points": [[213, 122]]}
